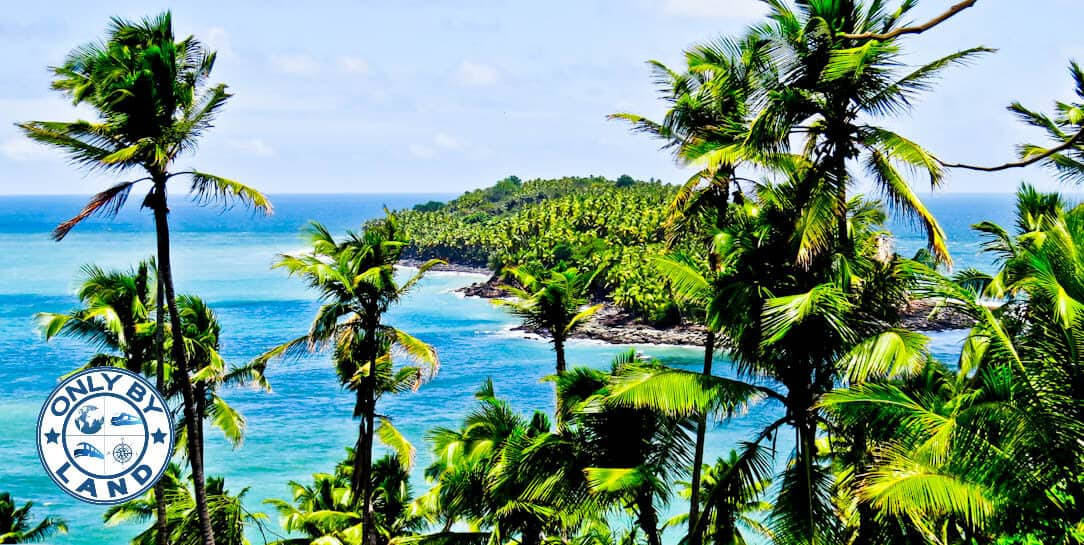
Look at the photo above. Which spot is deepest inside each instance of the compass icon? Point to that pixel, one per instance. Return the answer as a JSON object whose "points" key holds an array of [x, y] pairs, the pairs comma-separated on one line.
{"points": [[122, 452]]}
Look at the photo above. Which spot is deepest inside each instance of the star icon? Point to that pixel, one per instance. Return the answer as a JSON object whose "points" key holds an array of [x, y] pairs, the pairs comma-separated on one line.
{"points": [[158, 436], [52, 436]]}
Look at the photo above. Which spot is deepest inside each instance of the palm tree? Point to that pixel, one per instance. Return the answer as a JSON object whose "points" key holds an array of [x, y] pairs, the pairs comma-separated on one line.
{"points": [[707, 125], [15, 523], [827, 87], [150, 93], [630, 456], [229, 517], [356, 282], [201, 335], [992, 450], [474, 482], [554, 302], [326, 511], [793, 330], [114, 317], [738, 515], [705, 294]]}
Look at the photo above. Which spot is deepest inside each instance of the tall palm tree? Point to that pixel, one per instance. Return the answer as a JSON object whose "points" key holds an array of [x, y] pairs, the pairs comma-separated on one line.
{"points": [[992, 450], [114, 318], [825, 87], [357, 283], [706, 125], [554, 302], [794, 331], [15, 523], [150, 93]]}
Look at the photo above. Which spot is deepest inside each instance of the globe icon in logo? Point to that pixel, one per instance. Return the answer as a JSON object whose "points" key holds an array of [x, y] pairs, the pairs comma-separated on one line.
{"points": [[105, 435]]}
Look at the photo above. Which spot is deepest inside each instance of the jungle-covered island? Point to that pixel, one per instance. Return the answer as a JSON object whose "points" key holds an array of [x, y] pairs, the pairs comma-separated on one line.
{"points": [[586, 224], [769, 249]]}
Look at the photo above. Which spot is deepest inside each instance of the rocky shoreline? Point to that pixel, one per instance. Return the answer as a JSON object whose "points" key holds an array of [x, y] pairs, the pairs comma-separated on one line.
{"points": [[615, 326]]}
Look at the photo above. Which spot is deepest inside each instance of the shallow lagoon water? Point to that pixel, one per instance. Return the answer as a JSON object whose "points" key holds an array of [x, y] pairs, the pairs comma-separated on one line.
{"points": [[302, 426]]}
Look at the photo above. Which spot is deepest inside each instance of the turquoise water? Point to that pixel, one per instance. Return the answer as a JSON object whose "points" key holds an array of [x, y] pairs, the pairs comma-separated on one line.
{"points": [[304, 424]]}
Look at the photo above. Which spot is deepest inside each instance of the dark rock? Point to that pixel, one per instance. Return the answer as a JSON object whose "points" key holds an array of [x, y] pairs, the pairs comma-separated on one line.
{"points": [[923, 315], [616, 326]]}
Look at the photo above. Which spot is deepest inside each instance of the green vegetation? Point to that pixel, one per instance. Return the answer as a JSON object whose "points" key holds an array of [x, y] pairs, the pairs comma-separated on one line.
{"points": [[356, 280], [789, 272], [592, 224], [15, 525], [151, 96]]}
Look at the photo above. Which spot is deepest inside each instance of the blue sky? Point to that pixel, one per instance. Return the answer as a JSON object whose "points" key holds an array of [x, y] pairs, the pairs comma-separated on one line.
{"points": [[442, 96]]}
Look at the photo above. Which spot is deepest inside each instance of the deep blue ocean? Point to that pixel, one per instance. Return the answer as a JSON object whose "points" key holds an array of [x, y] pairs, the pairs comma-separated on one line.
{"points": [[303, 426]]}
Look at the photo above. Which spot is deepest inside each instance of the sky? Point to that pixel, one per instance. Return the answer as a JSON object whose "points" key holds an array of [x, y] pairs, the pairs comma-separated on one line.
{"points": [[441, 97]]}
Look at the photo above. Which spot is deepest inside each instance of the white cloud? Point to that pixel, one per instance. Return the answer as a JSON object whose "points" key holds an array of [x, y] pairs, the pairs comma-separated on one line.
{"points": [[734, 9], [218, 40], [254, 146], [354, 65], [19, 148], [295, 64], [446, 142], [422, 151], [470, 73]]}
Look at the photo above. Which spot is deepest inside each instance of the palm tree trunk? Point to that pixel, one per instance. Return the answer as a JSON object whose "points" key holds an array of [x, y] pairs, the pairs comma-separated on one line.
{"points": [[361, 480], [698, 452], [648, 518], [365, 458], [165, 272], [201, 414], [866, 515], [559, 348], [160, 537]]}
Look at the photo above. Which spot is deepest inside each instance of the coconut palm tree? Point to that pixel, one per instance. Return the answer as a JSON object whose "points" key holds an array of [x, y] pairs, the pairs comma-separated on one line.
{"points": [[356, 280], [15, 523], [554, 302], [229, 517], [707, 125], [473, 482], [826, 87], [201, 335], [325, 510], [793, 330], [629, 455], [992, 450], [114, 317], [736, 517], [150, 93]]}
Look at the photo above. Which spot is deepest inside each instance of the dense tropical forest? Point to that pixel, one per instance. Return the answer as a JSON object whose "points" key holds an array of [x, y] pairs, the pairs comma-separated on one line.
{"points": [[582, 223], [768, 246]]}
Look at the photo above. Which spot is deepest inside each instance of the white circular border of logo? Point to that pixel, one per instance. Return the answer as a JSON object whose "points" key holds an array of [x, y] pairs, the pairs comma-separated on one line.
{"points": [[124, 389]]}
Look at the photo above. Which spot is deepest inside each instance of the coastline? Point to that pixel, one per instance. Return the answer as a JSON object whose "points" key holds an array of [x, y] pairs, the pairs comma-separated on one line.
{"points": [[613, 325]]}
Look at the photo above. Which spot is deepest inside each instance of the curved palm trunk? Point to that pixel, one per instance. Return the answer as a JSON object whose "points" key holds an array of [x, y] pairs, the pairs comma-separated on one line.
{"points": [[160, 536], [698, 452], [559, 348], [165, 272]]}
